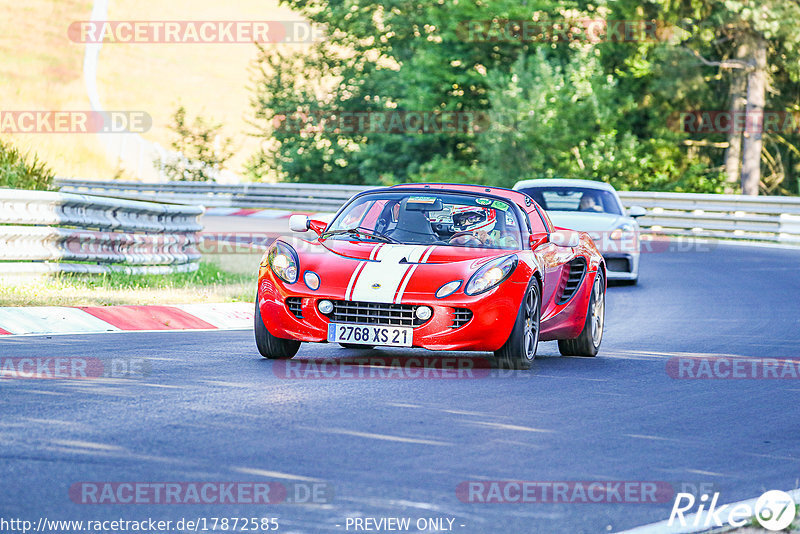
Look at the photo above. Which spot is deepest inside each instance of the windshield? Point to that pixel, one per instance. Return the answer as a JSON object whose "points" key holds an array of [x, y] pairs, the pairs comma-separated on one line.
{"points": [[574, 199], [429, 218]]}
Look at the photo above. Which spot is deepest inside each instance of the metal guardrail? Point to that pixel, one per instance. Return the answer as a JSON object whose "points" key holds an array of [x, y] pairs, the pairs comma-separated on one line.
{"points": [[768, 219], [761, 218], [49, 232], [315, 197]]}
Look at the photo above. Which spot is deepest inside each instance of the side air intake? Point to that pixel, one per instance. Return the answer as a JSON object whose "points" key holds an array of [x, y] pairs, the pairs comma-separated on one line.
{"points": [[571, 279]]}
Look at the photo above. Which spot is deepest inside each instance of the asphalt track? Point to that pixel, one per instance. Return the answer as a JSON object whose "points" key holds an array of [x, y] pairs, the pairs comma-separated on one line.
{"points": [[212, 410]]}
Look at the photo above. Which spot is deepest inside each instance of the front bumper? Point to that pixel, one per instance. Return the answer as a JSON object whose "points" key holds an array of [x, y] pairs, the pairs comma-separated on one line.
{"points": [[493, 316], [621, 256], [621, 266]]}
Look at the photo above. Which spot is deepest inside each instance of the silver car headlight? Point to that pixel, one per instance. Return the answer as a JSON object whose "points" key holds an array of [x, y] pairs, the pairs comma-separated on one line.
{"points": [[490, 275], [624, 231], [282, 259]]}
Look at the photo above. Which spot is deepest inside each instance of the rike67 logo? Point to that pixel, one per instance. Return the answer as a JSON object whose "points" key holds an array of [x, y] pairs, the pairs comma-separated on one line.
{"points": [[774, 510]]}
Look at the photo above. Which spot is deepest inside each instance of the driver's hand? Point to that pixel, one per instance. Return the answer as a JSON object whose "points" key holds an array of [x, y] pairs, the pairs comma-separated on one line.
{"points": [[466, 239], [484, 237]]}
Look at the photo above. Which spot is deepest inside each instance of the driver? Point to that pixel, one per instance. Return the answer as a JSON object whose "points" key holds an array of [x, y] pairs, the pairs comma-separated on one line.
{"points": [[589, 203], [474, 224]]}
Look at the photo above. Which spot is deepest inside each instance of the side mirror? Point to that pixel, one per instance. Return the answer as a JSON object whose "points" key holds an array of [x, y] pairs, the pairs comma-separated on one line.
{"points": [[317, 226], [538, 240], [565, 238], [299, 223], [636, 211]]}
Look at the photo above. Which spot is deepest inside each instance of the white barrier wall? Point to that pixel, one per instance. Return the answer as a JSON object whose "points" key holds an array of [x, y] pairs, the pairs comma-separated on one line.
{"points": [[47, 232]]}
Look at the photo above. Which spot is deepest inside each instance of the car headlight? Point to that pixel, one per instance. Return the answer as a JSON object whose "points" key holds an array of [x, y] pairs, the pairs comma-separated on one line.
{"points": [[282, 259], [625, 231], [312, 280], [491, 275], [448, 289]]}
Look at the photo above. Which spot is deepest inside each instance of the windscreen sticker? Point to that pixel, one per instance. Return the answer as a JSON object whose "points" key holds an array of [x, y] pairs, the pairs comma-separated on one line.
{"points": [[422, 200], [483, 201], [500, 205]]}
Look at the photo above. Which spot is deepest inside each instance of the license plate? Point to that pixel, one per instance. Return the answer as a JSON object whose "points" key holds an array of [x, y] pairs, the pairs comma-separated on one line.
{"points": [[362, 334]]}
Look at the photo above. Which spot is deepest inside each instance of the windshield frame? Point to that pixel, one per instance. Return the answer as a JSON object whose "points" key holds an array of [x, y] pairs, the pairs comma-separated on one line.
{"points": [[523, 223]]}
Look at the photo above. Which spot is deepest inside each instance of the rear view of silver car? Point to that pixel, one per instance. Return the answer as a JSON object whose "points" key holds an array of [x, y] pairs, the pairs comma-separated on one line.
{"points": [[593, 207]]}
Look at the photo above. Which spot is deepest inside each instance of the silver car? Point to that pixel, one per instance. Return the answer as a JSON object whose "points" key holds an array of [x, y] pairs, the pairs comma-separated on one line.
{"points": [[593, 207]]}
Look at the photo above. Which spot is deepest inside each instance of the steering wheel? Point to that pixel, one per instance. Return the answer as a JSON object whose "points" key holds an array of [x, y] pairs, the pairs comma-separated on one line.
{"points": [[465, 233]]}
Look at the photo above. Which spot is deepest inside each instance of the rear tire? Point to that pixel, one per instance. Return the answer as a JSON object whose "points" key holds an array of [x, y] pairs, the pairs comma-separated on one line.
{"points": [[356, 346], [519, 350], [587, 344], [270, 346]]}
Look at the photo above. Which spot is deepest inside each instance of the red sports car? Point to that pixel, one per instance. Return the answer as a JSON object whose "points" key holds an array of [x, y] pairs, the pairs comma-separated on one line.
{"points": [[437, 266]]}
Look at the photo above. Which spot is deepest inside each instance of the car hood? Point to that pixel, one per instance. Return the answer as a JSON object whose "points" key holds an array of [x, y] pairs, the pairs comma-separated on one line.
{"points": [[587, 222], [393, 272]]}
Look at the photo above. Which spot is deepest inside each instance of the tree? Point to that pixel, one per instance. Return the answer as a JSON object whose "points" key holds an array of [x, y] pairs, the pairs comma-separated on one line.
{"points": [[752, 41], [598, 110], [400, 55], [201, 153], [22, 171]]}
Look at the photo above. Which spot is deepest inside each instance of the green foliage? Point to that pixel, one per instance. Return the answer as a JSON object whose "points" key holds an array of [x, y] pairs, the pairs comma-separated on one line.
{"points": [[447, 169], [551, 120], [685, 74], [21, 171], [582, 110], [201, 151]]}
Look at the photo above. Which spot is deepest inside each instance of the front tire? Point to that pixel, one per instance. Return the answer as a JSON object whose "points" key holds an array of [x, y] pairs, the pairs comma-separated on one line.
{"points": [[587, 344], [270, 346], [519, 350]]}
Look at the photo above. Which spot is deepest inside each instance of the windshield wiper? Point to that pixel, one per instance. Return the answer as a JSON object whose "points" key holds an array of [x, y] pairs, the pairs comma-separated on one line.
{"points": [[360, 232]]}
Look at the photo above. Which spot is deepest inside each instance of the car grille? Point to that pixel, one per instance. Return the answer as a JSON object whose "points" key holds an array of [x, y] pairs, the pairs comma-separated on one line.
{"points": [[345, 311], [294, 305], [618, 265], [461, 316], [571, 279]]}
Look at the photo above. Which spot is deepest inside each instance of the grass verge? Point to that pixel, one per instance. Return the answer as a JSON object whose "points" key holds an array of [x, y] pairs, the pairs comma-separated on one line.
{"points": [[208, 284]]}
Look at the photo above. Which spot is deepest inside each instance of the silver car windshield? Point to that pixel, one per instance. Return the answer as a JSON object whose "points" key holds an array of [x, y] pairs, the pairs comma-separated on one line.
{"points": [[585, 199]]}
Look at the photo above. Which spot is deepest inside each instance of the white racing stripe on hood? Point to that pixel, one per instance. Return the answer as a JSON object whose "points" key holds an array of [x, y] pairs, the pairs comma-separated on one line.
{"points": [[402, 289], [387, 273], [357, 271]]}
